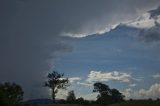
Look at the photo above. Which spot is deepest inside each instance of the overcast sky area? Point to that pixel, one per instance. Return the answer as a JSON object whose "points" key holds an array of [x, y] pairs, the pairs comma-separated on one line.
{"points": [[116, 42]]}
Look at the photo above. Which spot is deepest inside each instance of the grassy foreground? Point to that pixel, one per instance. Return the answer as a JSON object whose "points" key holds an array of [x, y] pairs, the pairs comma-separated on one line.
{"points": [[126, 103], [138, 103], [59, 105]]}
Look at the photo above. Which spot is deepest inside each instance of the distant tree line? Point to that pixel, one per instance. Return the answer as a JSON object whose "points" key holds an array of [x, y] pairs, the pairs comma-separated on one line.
{"points": [[106, 95], [71, 99]]}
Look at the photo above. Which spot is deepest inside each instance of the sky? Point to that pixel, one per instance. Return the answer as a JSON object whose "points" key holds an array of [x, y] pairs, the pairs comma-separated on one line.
{"points": [[109, 41]]}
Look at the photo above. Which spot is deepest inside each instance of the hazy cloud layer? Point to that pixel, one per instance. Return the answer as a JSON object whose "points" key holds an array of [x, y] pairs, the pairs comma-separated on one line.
{"points": [[29, 40], [156, 76]]}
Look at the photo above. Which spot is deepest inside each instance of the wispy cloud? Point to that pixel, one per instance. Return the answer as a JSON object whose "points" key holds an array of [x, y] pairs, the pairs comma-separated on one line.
{"points": [[73, 79], [156, 76], [85, 84], [132, 85], [138, 79]]}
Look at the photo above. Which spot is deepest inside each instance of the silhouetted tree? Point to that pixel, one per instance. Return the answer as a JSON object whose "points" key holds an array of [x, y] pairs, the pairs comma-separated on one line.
{"points": [[150, 99], [86, 102], [130, 99], [158, 99], [12, 93], [80, 101], [4, 101], [106, 95], [71, 98], [117, 96], [55, 82], [101, 88]]}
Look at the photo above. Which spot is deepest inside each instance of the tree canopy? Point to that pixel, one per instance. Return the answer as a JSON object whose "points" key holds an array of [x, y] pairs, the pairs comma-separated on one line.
{"points": [[71, 98], [106, 95], [4, 101], [11, 94], [80, 100]]}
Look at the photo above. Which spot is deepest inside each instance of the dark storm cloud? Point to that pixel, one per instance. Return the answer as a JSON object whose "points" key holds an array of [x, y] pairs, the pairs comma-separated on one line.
{"points": [[152, 34], [92, 16], [155, 12], [28, 38], [30, 32]]}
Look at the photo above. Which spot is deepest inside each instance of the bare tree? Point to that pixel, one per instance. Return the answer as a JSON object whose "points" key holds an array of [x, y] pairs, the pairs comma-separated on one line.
{"points": [[56, 81]]}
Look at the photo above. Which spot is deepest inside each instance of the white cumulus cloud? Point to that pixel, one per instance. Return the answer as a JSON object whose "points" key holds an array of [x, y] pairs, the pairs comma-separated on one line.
{"points": [[128, 93], [108, 76], [152, 92]]}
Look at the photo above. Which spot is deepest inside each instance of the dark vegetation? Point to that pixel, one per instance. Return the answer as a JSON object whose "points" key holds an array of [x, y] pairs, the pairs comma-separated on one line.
{"points": [[106, 95], [11, 94], [148, 102], [71, 98]]}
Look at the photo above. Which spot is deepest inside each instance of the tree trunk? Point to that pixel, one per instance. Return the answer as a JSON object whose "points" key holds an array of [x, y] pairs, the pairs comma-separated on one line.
{"points": [[53, 96]]}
